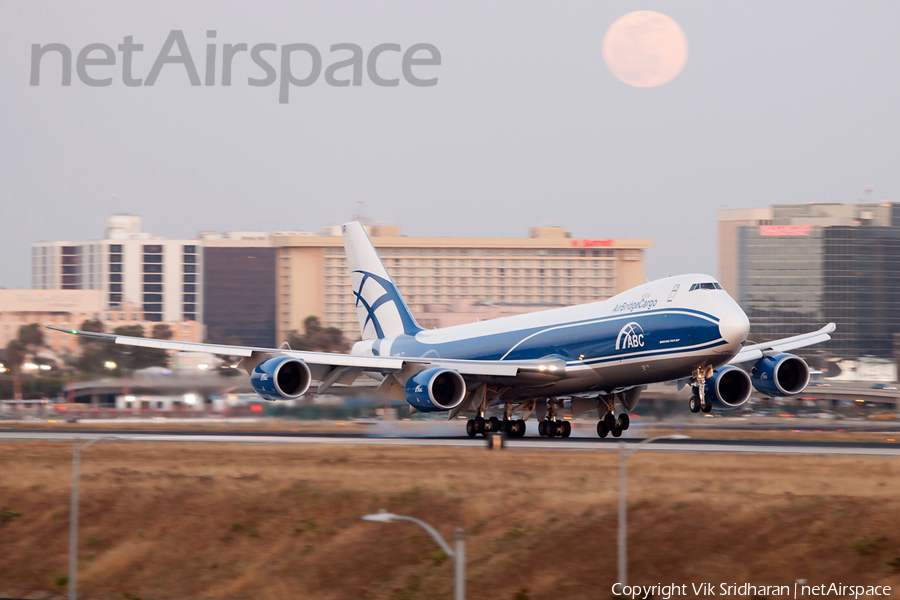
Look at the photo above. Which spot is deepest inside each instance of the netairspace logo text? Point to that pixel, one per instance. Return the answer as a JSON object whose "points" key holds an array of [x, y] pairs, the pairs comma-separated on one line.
{"points": [[797, 590], [299, 65]]}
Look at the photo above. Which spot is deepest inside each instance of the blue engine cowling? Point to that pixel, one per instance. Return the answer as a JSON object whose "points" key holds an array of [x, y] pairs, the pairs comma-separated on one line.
{"points": [[435, 389], [780, 375], [281, 378], [729, 387]]}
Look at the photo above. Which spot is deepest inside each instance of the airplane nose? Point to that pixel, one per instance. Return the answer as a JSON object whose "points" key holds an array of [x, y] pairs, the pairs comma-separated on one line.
{"points": [[734, 326]]}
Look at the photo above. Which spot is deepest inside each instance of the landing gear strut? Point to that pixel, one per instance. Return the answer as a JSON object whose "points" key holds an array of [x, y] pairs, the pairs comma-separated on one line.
{"points": [[699, 401], [514, 428]]}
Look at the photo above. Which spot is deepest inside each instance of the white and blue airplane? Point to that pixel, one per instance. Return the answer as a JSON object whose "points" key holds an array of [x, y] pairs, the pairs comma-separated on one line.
{"points": [[684, 328]]}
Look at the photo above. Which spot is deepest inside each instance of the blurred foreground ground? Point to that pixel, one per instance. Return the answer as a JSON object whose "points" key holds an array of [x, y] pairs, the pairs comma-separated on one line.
{"points": [[222, 521]]}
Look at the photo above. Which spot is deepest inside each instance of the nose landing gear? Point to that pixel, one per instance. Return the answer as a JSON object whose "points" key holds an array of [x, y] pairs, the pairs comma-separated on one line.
{"points": [[699, 401]]}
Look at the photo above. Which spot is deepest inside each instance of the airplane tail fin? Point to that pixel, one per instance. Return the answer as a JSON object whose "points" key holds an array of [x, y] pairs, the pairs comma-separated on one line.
{"points": [[379, 305]]}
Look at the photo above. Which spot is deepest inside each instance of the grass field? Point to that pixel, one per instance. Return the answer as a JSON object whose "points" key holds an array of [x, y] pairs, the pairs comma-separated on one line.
{"points": [[253, 521]]}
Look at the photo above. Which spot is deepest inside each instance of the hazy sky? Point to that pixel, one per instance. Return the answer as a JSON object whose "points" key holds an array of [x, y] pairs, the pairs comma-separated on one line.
{"points": [[778, 102]]}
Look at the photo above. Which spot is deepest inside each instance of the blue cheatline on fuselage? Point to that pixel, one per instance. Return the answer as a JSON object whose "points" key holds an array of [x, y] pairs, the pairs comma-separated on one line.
{"points": [[589, 341]]}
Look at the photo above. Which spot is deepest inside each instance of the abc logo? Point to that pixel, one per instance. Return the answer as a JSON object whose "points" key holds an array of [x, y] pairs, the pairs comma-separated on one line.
{"points": [[631, 336]]}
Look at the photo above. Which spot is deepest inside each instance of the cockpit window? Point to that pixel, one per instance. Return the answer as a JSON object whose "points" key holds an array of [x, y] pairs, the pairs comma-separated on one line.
{"points": [[705, 286]]}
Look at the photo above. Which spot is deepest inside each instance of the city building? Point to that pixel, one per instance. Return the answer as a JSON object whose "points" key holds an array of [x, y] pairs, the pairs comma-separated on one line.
{"points": [[545, 270], [163, 277], [800, 266], [254, 288], [69, 309], [239, 288]]}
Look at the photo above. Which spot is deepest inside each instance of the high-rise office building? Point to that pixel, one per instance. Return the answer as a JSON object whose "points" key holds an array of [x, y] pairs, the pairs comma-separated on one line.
{"points": [[794, 267], [239, 288], [162, 277], [547, 269]]}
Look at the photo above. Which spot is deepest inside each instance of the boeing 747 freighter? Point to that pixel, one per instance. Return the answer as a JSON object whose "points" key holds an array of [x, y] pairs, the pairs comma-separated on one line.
{"points": [[597, 355]]}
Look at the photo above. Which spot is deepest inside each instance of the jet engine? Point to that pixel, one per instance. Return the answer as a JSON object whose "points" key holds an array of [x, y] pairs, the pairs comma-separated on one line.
{"points": [[780, 375], [281, 378], [729, 387], [435, 389]]}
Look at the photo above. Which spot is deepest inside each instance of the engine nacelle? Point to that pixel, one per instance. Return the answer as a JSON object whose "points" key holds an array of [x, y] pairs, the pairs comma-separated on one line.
{"points": [[729, 387], [780, 375], [281, 378], [435, 389]]}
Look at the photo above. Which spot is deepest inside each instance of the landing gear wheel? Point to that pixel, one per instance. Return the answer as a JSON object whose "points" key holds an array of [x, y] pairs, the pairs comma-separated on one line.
{"points": [[470, 428], [695, 404], [478, 423], [542, 429], [609, 420], [494, 423], [602, 431], [624, 421], [552, 429], [506, 426], [523, 427], [617, 432], [566, 429], [706, 406]]}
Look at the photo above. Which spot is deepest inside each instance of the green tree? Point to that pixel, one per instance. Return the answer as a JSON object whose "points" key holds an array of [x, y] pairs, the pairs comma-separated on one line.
{"points": [[15, 358], [318, 338], [161, 331], [31, 336]]}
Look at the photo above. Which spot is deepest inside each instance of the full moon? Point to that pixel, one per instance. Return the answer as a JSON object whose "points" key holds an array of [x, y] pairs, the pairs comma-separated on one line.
{"points": [[645, 49]]}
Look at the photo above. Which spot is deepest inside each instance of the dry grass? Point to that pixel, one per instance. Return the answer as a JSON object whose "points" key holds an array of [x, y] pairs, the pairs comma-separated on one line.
{"points": [[261, 426], [255, 521]]}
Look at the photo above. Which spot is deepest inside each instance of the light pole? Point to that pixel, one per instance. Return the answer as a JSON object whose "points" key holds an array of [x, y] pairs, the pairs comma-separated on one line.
{"points": [[458, 556], [73, 512], [623, 506]]}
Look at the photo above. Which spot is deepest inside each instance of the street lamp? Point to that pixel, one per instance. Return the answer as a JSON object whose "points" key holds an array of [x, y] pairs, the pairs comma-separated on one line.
{"points": [[623, 507], [459, 556], [73, 512]]}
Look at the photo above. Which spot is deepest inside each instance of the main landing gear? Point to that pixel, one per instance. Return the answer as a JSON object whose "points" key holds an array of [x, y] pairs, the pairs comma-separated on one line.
{"points": [[548, 428], [514, 428], [551, 426], [610, 424]]}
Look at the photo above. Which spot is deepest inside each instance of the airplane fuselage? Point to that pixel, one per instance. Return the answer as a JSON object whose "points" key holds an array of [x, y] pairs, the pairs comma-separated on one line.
{"points": [[658, 331]]}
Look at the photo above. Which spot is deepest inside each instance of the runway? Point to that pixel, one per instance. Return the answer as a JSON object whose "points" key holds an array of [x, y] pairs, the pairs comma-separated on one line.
{"points": [[528, 443]]}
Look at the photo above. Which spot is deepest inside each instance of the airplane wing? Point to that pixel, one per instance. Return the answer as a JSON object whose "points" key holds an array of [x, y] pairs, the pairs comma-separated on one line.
{"points": [[324, 363], [757, 351]]}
